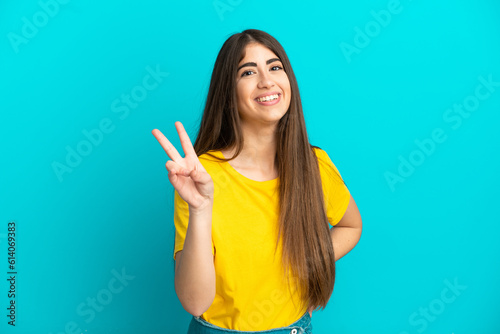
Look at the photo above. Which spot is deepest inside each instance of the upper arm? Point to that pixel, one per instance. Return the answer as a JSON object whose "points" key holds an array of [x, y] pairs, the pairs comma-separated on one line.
{"points": [[177, 258], [351, 217]]}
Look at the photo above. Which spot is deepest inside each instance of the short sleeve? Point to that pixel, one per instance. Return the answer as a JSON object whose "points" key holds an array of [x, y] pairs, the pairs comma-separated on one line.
{"points": [[181, 220], [336, 194]]}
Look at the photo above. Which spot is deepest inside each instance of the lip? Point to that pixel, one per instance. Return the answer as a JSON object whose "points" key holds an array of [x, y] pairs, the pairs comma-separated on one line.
{"points": [[266, 94], [268, 103]]}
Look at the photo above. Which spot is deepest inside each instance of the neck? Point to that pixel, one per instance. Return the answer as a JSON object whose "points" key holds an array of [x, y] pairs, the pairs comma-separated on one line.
{"points": [[259, 148]]}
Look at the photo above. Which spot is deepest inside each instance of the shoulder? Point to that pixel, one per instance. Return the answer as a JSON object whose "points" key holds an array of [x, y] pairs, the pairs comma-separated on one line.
{"points": [[320, 153], [211, 161], [323, 157], [326, 165], [211, 157]]}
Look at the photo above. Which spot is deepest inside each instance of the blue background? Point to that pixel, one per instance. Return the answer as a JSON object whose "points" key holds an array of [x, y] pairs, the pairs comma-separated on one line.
{"points": [[435, 224]]}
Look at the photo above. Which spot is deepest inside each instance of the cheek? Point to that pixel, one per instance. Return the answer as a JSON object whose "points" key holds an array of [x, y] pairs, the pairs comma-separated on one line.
{"points": [[285, 83], [242, 94], [288, 90], [289, 95]]}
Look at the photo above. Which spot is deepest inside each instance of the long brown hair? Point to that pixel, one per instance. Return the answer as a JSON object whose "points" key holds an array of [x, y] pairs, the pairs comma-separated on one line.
{"points": [[303, 224]]}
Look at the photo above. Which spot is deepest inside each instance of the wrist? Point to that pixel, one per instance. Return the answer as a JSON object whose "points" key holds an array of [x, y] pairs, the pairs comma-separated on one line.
{"points": [[203, 209]]}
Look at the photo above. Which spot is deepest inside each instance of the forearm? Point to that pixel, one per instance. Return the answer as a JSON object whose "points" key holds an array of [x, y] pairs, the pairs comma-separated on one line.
{"points": [[344, 239], [195, 273]]}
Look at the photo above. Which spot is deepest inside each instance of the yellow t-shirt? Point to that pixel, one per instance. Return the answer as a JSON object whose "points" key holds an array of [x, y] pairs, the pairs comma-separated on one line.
{"points": [[250, 292]]}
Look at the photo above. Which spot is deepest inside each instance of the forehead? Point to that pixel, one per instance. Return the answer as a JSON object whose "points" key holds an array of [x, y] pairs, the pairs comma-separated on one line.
{"points": [[255, 51]]}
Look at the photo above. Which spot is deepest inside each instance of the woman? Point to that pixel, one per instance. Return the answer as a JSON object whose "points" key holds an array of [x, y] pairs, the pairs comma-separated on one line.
{"points": [[253, 200]]}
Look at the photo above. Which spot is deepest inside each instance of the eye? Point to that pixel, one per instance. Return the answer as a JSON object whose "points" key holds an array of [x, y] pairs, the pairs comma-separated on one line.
{"points": [[243, 74]]}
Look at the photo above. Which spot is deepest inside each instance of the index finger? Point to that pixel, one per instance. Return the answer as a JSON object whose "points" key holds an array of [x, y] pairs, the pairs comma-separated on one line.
{"points": [[167, 146]]}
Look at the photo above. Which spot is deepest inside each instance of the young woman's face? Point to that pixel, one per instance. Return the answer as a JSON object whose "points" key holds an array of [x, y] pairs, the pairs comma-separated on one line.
{"points": [[260, 74]]}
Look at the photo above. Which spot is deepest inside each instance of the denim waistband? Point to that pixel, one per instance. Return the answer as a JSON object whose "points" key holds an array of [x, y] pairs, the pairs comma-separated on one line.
{"points": [[201, 326]]}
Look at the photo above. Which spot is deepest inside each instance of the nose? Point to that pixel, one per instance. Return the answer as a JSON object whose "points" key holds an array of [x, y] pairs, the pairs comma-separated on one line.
{"points": [[265, 80]]}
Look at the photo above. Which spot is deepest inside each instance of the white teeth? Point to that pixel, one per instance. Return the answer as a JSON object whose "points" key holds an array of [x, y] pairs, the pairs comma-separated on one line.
{"points": [[268, 98]]}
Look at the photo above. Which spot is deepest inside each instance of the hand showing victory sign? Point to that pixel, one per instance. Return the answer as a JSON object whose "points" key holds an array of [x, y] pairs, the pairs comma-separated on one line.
{"points": [[187, 174]]}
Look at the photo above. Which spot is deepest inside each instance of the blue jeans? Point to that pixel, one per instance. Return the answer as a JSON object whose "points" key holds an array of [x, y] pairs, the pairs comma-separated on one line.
{"points": [[201, 326]]}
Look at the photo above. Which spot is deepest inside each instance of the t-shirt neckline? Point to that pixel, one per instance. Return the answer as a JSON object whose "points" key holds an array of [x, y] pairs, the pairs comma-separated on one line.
{"points": [[233, 171]]}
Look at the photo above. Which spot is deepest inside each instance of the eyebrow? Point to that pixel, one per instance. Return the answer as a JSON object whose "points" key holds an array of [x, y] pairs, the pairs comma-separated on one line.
{"points": [[269, 61]]}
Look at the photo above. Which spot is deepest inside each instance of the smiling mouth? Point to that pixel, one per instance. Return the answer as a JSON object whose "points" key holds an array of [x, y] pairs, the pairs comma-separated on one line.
{"points": [[268, 98]]}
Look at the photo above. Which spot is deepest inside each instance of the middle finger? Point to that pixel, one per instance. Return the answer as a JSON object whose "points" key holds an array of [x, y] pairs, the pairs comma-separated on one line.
{"points": [[187, 146]]}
